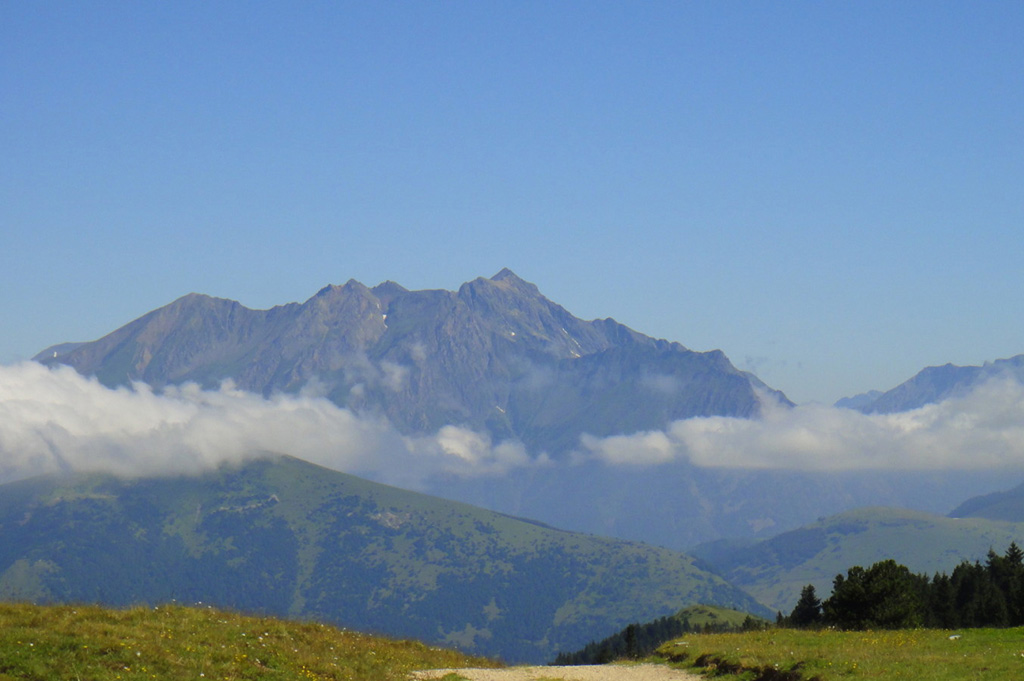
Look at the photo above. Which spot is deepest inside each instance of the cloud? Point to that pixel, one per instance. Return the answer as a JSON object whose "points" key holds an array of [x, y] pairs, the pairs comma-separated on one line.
{"points": [[418, 352], [55, 419], [640, 449], [470, 453], [982, 430], [394, 375], [666, 384]]}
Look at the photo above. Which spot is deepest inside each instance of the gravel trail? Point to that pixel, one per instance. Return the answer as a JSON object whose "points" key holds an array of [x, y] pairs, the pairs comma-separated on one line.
{"points": [[601, 672]]}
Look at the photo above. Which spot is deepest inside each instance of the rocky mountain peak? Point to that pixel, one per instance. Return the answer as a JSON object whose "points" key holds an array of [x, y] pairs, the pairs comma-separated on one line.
{"points": [[487, 345], [387, 291], [509, 280], [507, 275]]}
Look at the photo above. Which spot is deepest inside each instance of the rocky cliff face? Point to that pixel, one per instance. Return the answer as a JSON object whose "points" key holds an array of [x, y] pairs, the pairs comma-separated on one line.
{"points": [[496, 356]]}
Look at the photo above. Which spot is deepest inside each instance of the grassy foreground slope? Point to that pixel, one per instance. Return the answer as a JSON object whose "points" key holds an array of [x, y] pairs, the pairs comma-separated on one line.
{"points": [[287, 538], [918, 654], [174, 642]]}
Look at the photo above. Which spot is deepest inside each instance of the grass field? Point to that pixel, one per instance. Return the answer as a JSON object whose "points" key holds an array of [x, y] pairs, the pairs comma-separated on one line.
{"points": [[920, 654], [174, 642]]}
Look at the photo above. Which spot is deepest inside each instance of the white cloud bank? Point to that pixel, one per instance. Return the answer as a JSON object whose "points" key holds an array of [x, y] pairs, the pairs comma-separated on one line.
{"points": [[55, 419], [982, 430]]}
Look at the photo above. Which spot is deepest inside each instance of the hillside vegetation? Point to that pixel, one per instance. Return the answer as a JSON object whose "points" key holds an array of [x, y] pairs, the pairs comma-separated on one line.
{"points": [[640, 640], [288, 538], [795, 655], [888, 595], [775, 570], [48, 643]]}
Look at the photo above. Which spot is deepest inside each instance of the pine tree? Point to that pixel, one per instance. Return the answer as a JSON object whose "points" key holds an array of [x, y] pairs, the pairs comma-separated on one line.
{"points": [[885, 596], [942, 612], [1013, 563], [632, 652], [807, 612]]}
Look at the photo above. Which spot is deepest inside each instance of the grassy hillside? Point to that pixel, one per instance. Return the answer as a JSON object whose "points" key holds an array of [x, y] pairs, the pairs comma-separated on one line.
{"points": [[792, 655], [775, 570], [173, 642], [640, 640], [700, 616], [286, 537]]}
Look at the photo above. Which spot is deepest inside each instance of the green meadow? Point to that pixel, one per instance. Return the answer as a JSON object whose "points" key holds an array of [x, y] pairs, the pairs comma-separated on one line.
{"points": [[793, 655], [48, 643]]}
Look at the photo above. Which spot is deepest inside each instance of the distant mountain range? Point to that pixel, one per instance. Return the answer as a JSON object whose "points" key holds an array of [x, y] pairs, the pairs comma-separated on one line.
{"points": [[499, 358], [285, 537], [495, 356], [934, 384], [1007, 506]]}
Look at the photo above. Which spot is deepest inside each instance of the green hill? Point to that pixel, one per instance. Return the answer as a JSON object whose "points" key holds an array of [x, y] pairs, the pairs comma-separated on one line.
{"points": [[640, 640], [1008, 506], [174, 642], [286, 537], [775, 570]]}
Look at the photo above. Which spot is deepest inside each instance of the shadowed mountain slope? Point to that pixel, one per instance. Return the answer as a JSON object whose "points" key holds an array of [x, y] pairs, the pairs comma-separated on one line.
{"points": [[495, 356], [284, 537], [1008, 506]]}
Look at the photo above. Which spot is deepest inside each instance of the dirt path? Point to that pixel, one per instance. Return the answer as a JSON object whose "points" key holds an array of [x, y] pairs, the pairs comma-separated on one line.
{"points": [[603, 672]]}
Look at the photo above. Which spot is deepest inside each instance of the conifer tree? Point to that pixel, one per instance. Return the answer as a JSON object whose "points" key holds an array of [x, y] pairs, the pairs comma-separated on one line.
{"points": [[885, 596], [807, 612]]}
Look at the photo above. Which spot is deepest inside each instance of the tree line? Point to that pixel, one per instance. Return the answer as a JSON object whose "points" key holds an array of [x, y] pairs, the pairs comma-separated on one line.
{"points": [[888, 595], [640, 640]]}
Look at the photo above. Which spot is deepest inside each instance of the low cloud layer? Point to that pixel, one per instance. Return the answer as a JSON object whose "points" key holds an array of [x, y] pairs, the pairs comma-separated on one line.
{"points": [[982, 430], [55, 419]]}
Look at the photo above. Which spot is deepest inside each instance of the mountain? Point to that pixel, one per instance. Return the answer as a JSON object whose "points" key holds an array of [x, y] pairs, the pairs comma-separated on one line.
{"points": [[1008, 506], [775, 570], [935, 384], [284, 537], [499, 358], [859, 401], [495, 356]]}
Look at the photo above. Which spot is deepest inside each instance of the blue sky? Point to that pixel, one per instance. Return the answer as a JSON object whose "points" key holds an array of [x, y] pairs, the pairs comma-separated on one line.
{"points": [[829, 192]]}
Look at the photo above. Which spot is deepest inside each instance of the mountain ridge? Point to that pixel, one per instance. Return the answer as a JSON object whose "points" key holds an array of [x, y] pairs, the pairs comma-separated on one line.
{"points": [[1005, 505], [934, 384], [497, 358], [488, 356], [282, 536]]}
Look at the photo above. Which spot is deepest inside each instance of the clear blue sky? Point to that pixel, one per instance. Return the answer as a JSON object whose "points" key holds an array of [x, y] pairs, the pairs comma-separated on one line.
{"points": [[830, 192]]}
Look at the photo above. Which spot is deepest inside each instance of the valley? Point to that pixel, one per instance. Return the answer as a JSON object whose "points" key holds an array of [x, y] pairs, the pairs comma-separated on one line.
{"points": [[518, 481]]}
